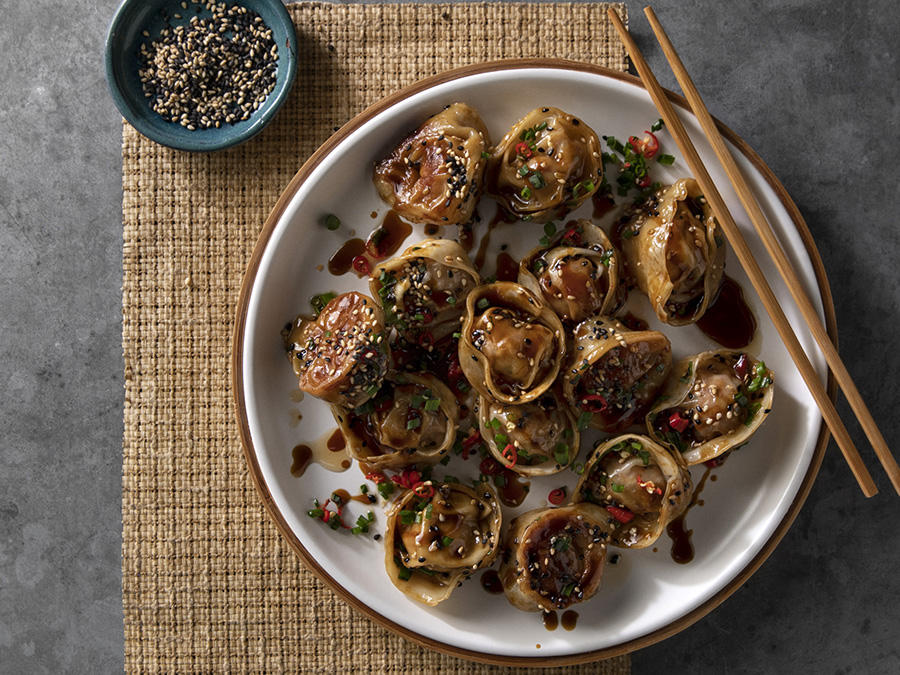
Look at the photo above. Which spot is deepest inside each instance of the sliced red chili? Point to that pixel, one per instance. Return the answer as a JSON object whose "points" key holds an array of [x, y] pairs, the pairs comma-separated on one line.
{"points": [[523, 149], [361, 265], [489, 466], [557, 496], [647, 146], [651, 144], [426, 339], [593, 403], [427, 315], [424, 490], [377, 243], [572, 237], [376, 477], [742, 367], [408, 478], [470, 443], [454, 370], [510, 455], [677, 422], [620, 514]]}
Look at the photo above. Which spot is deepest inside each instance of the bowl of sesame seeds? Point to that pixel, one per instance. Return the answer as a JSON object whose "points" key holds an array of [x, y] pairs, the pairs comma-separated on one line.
{"points": [[200, 76]]}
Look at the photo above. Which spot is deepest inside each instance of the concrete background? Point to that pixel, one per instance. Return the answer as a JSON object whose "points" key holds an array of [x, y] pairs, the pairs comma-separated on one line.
{"points": [[811, 86]]}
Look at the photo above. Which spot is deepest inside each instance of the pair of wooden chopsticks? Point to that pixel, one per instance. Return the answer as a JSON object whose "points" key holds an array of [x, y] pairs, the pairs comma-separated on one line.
{"points": [[673, 123]]}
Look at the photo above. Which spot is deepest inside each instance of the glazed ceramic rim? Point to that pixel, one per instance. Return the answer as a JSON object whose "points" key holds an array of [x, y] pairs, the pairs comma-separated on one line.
{"points": [[278, 518], [211, 140]]}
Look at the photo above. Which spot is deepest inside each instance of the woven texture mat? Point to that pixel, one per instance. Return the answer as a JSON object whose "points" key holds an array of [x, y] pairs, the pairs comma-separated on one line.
{"points": [[208, 584]]}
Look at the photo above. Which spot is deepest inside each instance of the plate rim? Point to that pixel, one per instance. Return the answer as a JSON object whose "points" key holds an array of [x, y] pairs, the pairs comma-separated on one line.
{"points": [[237, 365]]}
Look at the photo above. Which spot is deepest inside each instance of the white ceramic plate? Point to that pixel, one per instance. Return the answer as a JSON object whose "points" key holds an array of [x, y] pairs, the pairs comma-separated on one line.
{"points": [[646, 595]]}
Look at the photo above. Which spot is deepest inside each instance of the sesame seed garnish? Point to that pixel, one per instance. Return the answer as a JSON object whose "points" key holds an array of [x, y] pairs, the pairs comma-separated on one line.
{"points": [[198, 76]]}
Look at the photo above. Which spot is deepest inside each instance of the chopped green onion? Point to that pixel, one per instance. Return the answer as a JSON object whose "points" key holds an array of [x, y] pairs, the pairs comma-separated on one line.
{"points": [[537, 181]]}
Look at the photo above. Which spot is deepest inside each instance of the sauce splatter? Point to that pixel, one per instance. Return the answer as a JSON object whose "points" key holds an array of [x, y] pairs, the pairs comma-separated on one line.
{"points": [[507, 268], [490, 582], [569, 619], [682, 549], [729, 320], [551, 620], [302, 456]]}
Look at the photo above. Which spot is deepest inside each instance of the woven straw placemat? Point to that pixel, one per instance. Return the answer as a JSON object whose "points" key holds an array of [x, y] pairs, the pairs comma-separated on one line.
{"points": [[208, 584]]}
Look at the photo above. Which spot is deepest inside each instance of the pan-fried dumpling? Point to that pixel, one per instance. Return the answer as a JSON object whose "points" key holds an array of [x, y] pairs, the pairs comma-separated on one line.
{"points": [[714, 402], [423, 291], [341, 356], [547, 165], [675, 251], [437, 535], [538, 438], [553, 558], [411, 420], [512, 346], [640, 484], [435, 175], [578, 274], [613, 374]]}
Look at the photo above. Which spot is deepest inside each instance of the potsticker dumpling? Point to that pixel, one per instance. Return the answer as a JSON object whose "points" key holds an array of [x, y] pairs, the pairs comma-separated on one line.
{"points": [[675, 251], [435, 175], [411, 420], [538, 438], [511, 345], [341, 356], [614, 374], [553, 558], [577, 274], [423, 291], [714, 402], [547, 165], [437, 535], [640, 484]]}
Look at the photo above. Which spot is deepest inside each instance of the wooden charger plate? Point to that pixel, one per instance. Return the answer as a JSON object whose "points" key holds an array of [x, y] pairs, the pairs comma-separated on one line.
{"points": [[646, 596]]}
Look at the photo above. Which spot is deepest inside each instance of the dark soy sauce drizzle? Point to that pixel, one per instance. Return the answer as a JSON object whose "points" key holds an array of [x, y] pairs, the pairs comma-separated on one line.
{"points": [[507, 268], [302, 456], [682, 548], [384, 242], [336, 441], [387, 238], [342, 260], [513, 492], [502, 216], [551, 620], [345, 497], [490, 581], [602, 204], [729, 320], [466, 237]]}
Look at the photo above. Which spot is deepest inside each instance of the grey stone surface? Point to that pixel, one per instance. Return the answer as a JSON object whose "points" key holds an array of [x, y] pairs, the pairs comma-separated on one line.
{"points": [[811, 86]]}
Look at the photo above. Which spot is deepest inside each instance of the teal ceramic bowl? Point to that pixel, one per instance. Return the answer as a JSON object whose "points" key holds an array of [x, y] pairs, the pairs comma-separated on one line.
{"points": [[136, 19]]}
